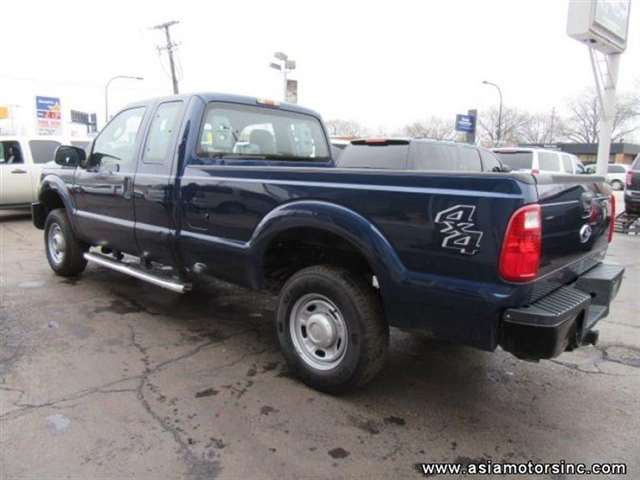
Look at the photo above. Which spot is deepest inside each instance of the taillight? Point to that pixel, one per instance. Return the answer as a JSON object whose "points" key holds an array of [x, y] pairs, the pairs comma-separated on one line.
{"points": [[612, 220], [522, 245], [629, 177], [535, 171]]}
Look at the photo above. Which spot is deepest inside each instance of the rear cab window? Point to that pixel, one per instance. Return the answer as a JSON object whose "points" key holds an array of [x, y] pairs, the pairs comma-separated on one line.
{"points": [[516, 159], [234, 131]]}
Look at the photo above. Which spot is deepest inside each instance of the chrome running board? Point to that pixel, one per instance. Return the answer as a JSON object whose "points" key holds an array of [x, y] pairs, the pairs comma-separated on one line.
{"points": [[113, 264]]}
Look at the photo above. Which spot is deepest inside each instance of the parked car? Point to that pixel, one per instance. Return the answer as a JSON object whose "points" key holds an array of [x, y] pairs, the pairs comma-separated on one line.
{"points": [[539, 160], [418, 154], [616, 175], [473, 257], [21, 161], [632, 188]]}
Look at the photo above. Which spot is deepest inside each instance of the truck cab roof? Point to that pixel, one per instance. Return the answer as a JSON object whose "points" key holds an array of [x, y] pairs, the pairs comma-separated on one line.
{"points": [[208, 97]]}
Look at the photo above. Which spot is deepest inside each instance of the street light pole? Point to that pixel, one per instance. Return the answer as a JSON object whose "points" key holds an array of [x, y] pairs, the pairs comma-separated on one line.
{"points": [[285, 65], [499, 129], [106, 93]]}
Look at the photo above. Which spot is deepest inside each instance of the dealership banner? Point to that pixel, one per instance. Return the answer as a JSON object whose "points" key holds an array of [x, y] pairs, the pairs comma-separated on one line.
{"points": [[49, 116]]}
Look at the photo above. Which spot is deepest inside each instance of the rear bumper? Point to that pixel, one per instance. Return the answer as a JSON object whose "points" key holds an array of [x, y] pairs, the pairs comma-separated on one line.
{"points": [[38, 215], [564, 319]]}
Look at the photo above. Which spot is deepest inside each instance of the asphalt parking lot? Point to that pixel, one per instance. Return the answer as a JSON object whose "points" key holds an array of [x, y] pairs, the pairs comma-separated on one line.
{"points": [[108, 377]]}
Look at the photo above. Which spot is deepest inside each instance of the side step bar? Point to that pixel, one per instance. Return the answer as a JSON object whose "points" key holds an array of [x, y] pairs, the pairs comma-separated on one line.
{"points": [[121, 267]]}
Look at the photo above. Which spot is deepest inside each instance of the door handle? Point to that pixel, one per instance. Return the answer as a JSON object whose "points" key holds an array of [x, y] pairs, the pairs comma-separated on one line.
{"points": [[18, 170]]}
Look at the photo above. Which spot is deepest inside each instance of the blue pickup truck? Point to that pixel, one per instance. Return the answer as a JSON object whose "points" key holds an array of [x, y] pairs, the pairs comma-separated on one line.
{"points": [[246, 190]]}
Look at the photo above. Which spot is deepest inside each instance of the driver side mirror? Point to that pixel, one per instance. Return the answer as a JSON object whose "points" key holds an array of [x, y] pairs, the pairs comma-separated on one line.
{"points": [[69, 156]]}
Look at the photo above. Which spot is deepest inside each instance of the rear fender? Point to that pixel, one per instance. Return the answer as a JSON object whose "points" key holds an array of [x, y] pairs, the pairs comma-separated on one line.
{"points": [[336, 219]]}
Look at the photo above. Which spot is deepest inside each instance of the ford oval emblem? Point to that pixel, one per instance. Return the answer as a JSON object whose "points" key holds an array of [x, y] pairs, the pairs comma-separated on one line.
{"points": [[585, 233]]}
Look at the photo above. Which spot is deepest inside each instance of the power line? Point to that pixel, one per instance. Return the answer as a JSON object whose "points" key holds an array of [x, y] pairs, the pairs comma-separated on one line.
{"points": [[170, 47]]}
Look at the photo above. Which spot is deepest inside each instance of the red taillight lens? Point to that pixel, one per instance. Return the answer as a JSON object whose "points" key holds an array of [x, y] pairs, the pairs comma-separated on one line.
{"points": [[535, 171], [629, 177], [522, 245], [612, 220]]}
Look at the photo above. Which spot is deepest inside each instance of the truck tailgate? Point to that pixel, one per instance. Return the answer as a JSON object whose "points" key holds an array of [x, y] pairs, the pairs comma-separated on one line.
{"points": [[576, 216]]}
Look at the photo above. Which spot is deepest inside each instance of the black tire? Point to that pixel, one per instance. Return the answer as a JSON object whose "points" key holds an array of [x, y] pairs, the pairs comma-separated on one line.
{"points": [[359, 307], [617, 185], [72, 261]]}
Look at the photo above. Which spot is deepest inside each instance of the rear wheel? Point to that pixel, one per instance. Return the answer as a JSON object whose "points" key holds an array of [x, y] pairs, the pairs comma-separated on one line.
{"points": [[617, 185], [331, 328], [65, 252]]}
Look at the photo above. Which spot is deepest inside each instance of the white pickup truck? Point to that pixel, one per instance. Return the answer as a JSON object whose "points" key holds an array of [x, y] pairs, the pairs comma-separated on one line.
{"points": [[21, 160]]}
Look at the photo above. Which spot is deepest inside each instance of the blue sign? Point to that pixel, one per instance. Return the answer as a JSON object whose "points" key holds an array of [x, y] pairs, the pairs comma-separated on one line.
{"points": [[465, 123], [49, 115]]}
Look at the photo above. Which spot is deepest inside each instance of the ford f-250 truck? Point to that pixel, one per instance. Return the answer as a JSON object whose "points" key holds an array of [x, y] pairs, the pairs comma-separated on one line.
{"points": [[247, 191]]}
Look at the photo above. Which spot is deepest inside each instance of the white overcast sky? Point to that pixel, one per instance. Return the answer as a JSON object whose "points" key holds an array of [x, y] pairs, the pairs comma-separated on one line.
{"points": [[380, 63]]}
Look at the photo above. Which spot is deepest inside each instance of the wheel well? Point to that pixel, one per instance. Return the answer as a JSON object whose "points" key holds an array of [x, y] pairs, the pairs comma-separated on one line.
{"points": [[298, 248], [51, 200]]}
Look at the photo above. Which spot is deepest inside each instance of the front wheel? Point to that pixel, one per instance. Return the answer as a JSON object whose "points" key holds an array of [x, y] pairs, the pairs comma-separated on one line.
{"points": [[64, 252], [331, 328], [617, 185]]}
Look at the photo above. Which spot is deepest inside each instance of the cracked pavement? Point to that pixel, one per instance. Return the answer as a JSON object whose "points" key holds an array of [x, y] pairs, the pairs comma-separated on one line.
{"points": [[108, 377]]}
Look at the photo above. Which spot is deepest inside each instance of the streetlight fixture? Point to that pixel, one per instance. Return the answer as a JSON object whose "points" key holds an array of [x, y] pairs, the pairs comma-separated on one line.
{"points": [[106, 92], [499, 129], [284, 65]]}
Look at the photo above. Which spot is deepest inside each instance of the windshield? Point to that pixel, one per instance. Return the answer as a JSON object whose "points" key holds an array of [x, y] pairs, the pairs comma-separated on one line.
{"points": [[242, 131], [516, 160]]}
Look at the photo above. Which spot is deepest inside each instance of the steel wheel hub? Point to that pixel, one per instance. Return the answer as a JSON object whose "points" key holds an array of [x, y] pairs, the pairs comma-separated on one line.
{"points": [[57, 244], [318, 331]]}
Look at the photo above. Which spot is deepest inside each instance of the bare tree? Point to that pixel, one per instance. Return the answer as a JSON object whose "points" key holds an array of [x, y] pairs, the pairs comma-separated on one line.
{"points": [[540, 128], [583, 121], [511, 126], [345, 128], [433, 127]]}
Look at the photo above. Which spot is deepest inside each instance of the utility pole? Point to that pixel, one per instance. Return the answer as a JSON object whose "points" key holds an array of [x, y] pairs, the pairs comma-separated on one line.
{"points": [[553, 125], [170, 47]]}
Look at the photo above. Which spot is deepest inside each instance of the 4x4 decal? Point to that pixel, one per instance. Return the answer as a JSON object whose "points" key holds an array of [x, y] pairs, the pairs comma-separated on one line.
{"points": [[458, 229]]}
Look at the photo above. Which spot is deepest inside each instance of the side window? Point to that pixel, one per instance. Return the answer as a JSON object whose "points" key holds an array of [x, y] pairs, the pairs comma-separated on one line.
{"points": [[549, 161], [636, 163], [490, 163], [468, 160], [616, 169], [10, 153], [567, 164], [162, 133], [43, 151], [117, 141]]}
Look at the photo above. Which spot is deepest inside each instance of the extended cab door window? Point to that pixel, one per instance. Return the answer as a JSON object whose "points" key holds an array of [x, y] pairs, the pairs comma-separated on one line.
{"points": [[162, 133], [232, 131]]}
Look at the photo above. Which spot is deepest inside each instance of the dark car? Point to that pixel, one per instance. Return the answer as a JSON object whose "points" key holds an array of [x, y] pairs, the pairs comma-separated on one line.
{"points": [[632, 188], [419, 154]]}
